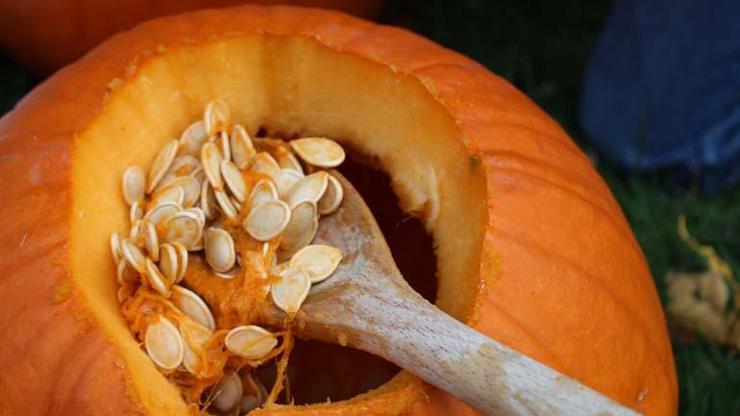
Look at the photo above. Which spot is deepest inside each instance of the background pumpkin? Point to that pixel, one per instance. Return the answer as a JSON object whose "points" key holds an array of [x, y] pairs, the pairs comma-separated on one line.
{"points": [[506, 194], [45, 35]]}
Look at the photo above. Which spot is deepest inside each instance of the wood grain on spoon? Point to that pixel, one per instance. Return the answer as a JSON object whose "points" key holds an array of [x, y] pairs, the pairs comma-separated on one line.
{"points": [[367, 305]]}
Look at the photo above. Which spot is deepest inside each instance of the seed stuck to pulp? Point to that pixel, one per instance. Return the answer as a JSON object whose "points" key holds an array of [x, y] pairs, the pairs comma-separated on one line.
{"points": [[208, 222]]}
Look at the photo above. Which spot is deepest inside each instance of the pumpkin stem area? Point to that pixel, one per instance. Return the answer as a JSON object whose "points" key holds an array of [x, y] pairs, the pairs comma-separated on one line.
{"points": [[221, 229]]}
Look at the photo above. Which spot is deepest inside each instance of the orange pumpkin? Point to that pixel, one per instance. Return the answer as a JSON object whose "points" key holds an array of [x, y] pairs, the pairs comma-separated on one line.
{"points": [[46, 35], [532, 248]]}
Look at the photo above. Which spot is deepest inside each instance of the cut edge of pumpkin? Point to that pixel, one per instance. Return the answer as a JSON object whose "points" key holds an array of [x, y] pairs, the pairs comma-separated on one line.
{"points": [[279, 83]]}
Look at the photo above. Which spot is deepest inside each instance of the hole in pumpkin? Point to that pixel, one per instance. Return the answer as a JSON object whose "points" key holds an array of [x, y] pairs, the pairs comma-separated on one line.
{"points": [[318, 370]]}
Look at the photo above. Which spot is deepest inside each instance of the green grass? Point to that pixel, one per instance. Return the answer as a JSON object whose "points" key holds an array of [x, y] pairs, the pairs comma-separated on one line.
{"points": [[542, 47]]}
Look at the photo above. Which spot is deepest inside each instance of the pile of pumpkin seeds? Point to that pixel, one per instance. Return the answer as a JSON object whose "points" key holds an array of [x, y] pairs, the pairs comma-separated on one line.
{"points": [[183, 209]]}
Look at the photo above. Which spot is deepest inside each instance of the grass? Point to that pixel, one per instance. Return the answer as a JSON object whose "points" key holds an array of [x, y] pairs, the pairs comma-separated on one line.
{"points": [[542, 47]]}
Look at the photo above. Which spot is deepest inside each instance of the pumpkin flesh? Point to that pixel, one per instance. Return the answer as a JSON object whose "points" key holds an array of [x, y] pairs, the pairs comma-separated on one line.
{"points": [[503, 191]]}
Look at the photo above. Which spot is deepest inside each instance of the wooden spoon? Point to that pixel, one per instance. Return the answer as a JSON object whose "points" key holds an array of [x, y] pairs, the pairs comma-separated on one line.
{"points": [[366, 304]]}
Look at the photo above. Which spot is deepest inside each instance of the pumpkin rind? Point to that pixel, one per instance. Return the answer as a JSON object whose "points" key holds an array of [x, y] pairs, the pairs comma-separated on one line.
{"points": [[561, 277], [47, 35]]}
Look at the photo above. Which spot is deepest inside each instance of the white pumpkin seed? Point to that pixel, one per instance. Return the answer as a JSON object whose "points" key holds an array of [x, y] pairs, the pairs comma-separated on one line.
{"points": [[220, 251], [126, 274], [210, 158], [250, 341], [310, 188], [115, 247], [164, 344], [162, 212], [161, 164], [318, 151], [194, 336], [267, 220], [284, 180], [228, 392], [227, 207], [208, 200], [289, 292], [300, 230], [222, 142], [156, 279], [174, 195], [169, 263], [193, 306], [134, 184], [287, 160], [183, 227], [182, 261], [317, 261], [190, 187], [332, 197], [217, 117], [193, 138], [266, 164], [133, 255], [264, 190], [136, 212], [234, 181], [151, 240], [242, 149]]}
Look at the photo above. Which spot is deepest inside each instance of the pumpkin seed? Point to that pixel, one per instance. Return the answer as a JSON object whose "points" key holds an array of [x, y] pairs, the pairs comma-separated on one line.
{"points": [[194, 336], [242, 149], [115, 247], [217, 117], [183, 227], [284, 180], [287, 160], [301, 229], [220, 251], [267, 220], [193, 306], [265, 163], [228, 392], [156, 279], [199, 214], [208, 200], [161, 164], [151, 240], [250, 341], [222, 142], [182, 261], [174, 194], [289, 292], [134, 184], [193, 138], [164, 344], [125, 273], [227, 207], [234, 181], [136, 212], [133, 255], [317, 261], [310, 188], [134, 233], [169, 263], [210, 158], [264, 190], [332, 197], [318, 151], [190, 187], [162, 212]]}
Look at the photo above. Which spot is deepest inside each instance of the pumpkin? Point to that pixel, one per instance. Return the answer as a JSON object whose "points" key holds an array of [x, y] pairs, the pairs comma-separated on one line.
{"points": [[532, 248], [46, 35]]}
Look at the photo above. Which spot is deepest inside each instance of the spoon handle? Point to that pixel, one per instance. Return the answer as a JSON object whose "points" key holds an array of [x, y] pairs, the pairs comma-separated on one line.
{"points": [[482, 372]]}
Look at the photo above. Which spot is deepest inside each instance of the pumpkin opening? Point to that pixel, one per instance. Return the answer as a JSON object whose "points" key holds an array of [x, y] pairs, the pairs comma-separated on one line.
{"points": [[289, 86]]}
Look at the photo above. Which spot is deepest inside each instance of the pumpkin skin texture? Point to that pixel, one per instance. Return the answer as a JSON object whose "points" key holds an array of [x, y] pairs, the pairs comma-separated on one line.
{"points": [[532, 248], [46, 35]]}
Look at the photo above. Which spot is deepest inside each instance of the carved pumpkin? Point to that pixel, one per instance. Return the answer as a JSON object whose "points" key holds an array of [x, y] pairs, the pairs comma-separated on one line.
{"points": [[532, 247]]}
